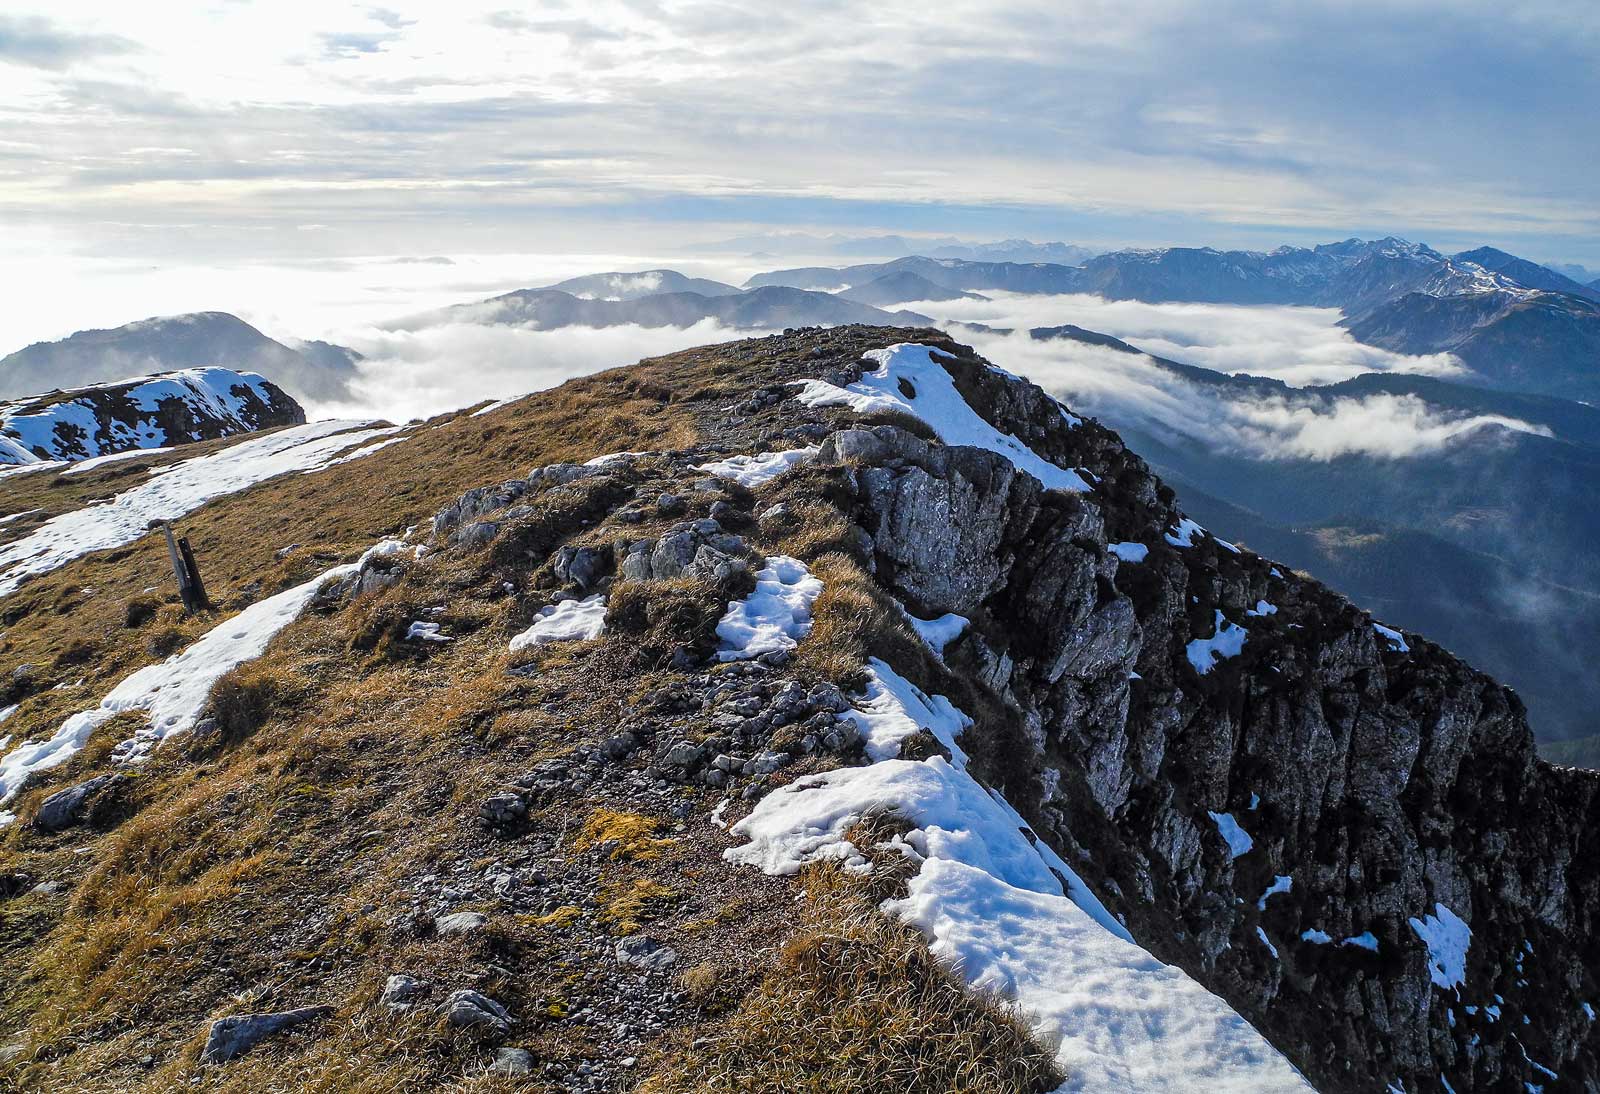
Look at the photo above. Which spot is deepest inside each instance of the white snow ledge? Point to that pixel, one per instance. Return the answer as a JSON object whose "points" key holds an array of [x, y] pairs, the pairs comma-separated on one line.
{"points": [[910, 367], [992, 904]]}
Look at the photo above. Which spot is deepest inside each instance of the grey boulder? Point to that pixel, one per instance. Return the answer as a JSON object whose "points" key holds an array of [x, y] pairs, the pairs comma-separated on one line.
{"points": [[239, 1033]]}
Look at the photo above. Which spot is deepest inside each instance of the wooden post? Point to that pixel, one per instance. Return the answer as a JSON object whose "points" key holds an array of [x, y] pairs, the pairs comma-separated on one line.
{"points": [[196, 586], [180, 571]]}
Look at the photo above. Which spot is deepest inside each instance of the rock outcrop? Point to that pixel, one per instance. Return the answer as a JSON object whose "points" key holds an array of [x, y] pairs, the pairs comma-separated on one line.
{"points": [[1342, 830]]}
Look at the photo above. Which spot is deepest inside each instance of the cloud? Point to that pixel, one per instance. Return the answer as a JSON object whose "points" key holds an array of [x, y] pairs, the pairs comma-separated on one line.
{"points": [[355, 43], [1091, 121], [1131, 390], [40, 43], [414, 374], [1299, 346]]}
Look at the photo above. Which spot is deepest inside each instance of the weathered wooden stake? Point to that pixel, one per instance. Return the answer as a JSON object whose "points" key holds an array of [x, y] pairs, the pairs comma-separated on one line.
{"points": [[196, 586], [189, 589]]}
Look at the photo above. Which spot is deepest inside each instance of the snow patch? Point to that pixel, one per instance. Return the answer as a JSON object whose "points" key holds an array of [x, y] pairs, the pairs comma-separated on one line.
{"points": [[1447, 937], [27, 468], [1227, 641], [1129, 552], [1262, 610], [1366, 940], [1396, 640], [172, 693], [115, 457], [1282, 883], [775, 616], [1237, 839], [419, 631], [609, 457], [363, 452], [1010, 915], [892, 708], [938, 633], [1183, 535], [909, 381], [570, 620], [1265, 941], [181, 489], [752, 471]]}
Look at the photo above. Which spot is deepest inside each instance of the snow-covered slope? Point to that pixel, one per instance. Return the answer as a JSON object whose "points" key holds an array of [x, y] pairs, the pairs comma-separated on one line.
{"points": [[177, 490], [155, 412]]}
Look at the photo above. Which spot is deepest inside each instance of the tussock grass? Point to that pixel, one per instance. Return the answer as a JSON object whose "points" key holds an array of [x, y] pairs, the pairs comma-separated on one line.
{"points": [[247, 697], [852, 620], [659, 617], [623, 836], [856, 1004]]}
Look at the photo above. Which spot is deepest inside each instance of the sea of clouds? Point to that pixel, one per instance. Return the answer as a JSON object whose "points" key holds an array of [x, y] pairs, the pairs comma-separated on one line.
{"points": [[425, 370], [1303, 347]]}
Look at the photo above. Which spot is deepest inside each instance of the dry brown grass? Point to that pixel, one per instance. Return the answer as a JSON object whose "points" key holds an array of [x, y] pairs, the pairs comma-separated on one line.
{"points": [[659, 617], [857, 1005], [852, 620], [247, 697], [622, 836]]}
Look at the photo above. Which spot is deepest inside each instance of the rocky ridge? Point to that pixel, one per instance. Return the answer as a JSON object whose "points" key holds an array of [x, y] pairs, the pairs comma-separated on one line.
{"points": [[1395, 788], [1290, 802]]}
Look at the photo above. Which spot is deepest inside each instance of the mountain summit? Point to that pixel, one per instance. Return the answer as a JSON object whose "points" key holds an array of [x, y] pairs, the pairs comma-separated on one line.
{"points": [[315, 370]]}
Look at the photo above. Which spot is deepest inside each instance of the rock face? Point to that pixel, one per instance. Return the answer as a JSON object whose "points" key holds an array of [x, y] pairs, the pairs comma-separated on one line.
{"points": [[1186, 777]]}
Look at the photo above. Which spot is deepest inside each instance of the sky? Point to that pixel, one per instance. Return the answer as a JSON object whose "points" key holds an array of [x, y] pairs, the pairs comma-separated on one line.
{"points": [[235, 131]]}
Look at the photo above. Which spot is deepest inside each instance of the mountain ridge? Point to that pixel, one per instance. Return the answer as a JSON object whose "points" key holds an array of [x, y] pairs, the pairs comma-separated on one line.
{"points": [[1236, 761], [159, 411], [171, 343]]}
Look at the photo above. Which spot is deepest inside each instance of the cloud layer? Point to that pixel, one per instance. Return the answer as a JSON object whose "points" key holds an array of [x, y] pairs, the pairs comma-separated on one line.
{"points": [[1299, 346], [1127, 390], [228, 128], [415, 374]]}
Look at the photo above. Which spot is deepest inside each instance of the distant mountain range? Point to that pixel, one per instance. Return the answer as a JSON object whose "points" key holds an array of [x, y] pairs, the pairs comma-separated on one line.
{"points": [[158, 412], [1518, 325], [314, 370], [896, 246], [636, 286], [771, 308]]}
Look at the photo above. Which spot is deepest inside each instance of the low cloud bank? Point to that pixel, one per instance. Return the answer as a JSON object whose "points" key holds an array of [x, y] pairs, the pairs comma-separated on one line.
{"points": [[1300, 346], [416, 373], [1128, 389], [419, 373]]}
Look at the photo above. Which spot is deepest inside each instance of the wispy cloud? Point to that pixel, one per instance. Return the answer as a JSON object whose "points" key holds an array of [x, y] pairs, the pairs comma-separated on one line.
{"points": [[39, 42], [1162, 122]]}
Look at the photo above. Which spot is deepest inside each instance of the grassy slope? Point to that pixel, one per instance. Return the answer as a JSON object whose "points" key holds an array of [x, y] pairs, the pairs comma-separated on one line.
{"points": [[272, 864]]}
